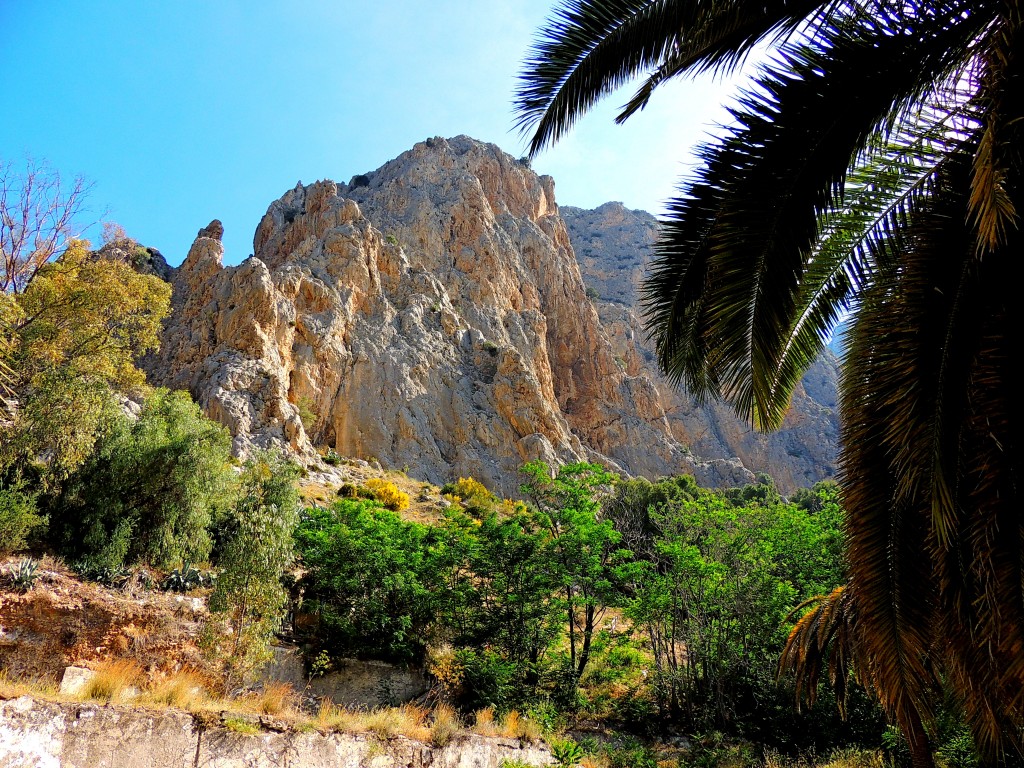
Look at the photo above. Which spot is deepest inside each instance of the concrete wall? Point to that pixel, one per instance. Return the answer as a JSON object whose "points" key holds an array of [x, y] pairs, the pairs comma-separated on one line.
{"points": [[39, 734]]}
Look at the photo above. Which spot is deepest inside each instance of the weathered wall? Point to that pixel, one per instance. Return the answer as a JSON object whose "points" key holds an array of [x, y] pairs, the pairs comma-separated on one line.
{"points": [[355, 683], [37, 734]]}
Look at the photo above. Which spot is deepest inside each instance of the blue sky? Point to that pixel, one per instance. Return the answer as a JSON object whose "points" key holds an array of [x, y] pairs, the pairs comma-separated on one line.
{"points": [[187, 111]]}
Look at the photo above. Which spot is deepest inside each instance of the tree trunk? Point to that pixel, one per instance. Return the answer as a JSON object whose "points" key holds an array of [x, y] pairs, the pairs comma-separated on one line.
{"points": [[913, 729]]}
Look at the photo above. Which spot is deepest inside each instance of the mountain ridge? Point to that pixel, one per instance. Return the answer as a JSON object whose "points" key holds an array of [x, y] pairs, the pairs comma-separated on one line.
{"points": [[430, 314]]}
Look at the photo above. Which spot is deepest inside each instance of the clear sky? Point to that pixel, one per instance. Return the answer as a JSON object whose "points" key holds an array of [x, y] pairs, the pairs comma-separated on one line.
{"points": [[182, 112]]}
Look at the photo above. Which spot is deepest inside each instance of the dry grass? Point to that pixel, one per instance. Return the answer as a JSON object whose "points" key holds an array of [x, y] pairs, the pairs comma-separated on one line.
{"points": [[12, 689], [276, 700], [483, 722], [113, 680], [408, 720], [184, 690], [445, 724], [515, 726]]}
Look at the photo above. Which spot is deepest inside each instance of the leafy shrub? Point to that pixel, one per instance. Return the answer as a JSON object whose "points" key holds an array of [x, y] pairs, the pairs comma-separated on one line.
{"points": [[256, 549], [307, 412], [18, 519], [331, 458], [149, 491], [114, 578], [348, 491], [366, 578], [387, 494], [567, 754], [183, 579]]}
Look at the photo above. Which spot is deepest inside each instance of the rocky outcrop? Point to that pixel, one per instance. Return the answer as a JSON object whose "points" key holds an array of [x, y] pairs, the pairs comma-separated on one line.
{"points": [[430, 314], [40, 734], [613, 245]]}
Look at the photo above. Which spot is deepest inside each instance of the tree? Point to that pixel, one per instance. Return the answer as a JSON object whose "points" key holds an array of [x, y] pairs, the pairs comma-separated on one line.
{"points": [[583, 547], [366, 578], [75, 333], [38, 220], [872, 167], [256, 550], [150, 489]]}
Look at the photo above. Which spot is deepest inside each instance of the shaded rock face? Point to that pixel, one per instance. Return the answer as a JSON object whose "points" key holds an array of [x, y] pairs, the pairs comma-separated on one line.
{"points": [[431, 314], [614, 245]]}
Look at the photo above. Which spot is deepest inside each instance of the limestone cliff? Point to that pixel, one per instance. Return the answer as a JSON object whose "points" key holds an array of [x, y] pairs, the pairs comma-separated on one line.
{"points": [[613, 246], [430, 314]]}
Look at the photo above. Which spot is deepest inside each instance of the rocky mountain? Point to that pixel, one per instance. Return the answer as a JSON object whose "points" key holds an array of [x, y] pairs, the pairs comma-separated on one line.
{"points": [[613, 246], [430, 314]]}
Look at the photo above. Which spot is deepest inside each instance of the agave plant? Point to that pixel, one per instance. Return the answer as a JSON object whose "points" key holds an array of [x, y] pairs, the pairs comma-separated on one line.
{"points": [[873, 169], [183, 579], [25, 575]]}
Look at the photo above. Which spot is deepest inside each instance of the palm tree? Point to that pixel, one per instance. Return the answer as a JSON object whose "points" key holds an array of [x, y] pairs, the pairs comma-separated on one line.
{"points": [[873, 168]]}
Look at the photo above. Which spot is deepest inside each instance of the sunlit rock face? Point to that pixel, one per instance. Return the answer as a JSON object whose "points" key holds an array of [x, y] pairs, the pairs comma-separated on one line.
{"points": [[430, 314], [614, 246]]}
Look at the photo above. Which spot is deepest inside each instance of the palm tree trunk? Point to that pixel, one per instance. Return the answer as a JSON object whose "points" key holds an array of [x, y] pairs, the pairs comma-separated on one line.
{"points": [[917, 739]]}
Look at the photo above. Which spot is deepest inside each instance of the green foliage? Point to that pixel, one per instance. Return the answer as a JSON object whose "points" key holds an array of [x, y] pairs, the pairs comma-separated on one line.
{"points": [[567, 754], [365, 577], [184, 579], [582, 552], [719, 581], [255, 549], [19, 518], [78, 328], [149, 491], [115, 578], [307, 412]]}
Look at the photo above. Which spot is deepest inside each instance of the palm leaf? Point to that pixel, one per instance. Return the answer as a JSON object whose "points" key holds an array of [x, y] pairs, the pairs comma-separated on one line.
{"points": [[724, 290], [591, 47]]}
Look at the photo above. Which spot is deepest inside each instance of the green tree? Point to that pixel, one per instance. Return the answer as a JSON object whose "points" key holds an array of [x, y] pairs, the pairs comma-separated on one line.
{"points": [[255, 551], [19, 518], [150, 489], [496, 596], [75, 333], [367, 580], [583, 548], [713, 599], [872, 167]]}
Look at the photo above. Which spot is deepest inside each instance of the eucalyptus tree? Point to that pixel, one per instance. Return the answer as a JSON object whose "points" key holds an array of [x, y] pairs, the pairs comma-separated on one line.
{"points": [[872, 167]]}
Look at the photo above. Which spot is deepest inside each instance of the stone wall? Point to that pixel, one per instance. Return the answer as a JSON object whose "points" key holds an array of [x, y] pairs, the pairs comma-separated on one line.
{"points": [[354, 683], [39, 734]]}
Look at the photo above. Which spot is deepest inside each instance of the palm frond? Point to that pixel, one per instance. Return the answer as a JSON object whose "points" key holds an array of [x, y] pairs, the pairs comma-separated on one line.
{"points": [[725, 288], [589, 48], [824, 640], [725, 35]]}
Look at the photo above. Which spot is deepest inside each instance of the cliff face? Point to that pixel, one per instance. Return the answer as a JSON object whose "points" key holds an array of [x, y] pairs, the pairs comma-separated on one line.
{"points": [[613, 247], [430, 314]]}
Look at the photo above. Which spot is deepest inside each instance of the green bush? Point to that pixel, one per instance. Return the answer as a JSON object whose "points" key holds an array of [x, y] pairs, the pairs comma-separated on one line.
{"points": [[19, 519], [366, 578], [256, 548], [150, 489]]}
